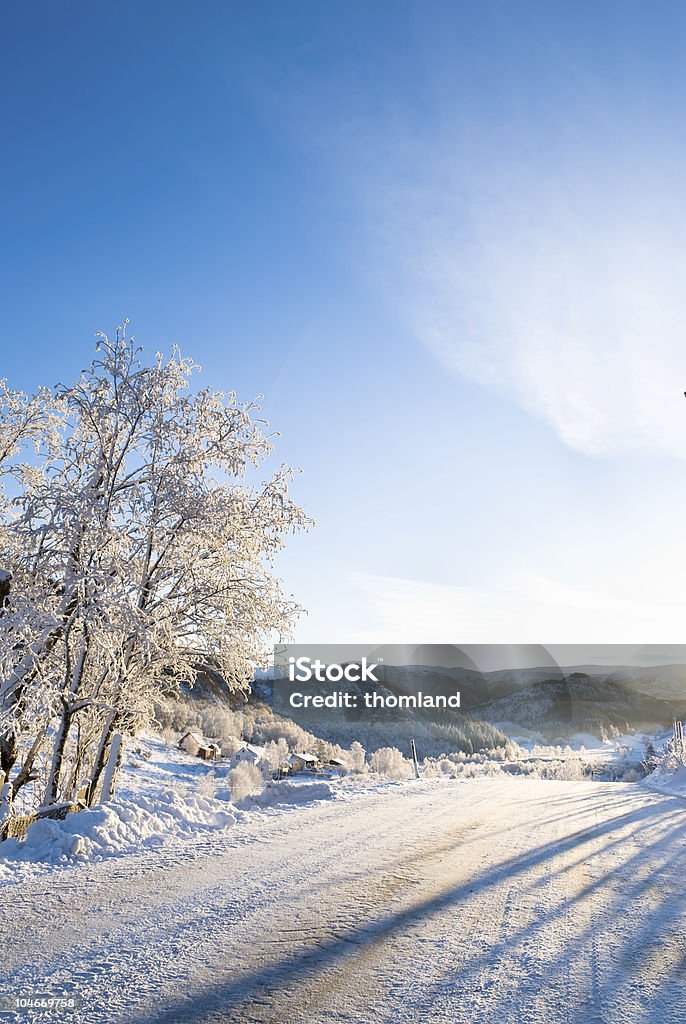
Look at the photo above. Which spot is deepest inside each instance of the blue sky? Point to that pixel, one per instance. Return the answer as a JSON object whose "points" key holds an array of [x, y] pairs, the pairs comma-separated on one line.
{"points": [[445, 240]]}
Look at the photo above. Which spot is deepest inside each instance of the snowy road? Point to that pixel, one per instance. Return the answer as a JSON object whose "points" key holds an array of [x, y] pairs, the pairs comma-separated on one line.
{"points": [[511, 901]]}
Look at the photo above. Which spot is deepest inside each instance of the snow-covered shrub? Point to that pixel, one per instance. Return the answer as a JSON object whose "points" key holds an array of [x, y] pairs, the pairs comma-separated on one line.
{"points": [[668, 760], [206, 785], [651, 759], [631, 775], [355, 758], [245, 780], [390, 762], [570, 770], [440, 767]]}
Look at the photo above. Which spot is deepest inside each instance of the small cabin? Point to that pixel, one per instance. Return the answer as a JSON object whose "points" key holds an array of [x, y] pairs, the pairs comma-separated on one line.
{"points": [[197, 746], [300, 762], [209, 751], [191, 742]]}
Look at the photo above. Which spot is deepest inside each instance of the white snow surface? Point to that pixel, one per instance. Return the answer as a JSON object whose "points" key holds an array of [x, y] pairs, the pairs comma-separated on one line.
{"points": [[285, 792], [113, 828], [668, 781], [504, 901], [165, 796]]}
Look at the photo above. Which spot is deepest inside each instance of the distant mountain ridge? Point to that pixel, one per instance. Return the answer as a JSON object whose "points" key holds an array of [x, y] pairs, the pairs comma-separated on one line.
{"points": [[579, 703]]}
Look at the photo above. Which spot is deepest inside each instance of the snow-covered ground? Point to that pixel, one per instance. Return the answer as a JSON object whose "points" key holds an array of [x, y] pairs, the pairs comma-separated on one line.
{"points": [[665, 781], [619, 758], [492, 901], [632, 745], [164, 797]]}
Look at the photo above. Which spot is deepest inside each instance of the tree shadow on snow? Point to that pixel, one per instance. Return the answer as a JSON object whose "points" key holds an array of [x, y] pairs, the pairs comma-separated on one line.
{"points": [[606, 899]]}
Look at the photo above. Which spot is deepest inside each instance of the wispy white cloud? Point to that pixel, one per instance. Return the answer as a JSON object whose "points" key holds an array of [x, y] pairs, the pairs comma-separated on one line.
{"points": [[531, 608], [561, 285]]}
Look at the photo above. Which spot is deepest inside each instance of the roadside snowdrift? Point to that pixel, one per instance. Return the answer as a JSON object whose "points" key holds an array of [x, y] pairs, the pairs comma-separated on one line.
{"points": [[291, 793], [164, 796], [668, 780], [116, 828]]}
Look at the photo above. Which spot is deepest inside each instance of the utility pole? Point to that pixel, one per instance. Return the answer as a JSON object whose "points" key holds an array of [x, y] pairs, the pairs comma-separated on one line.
{"points": [[413, 748]]}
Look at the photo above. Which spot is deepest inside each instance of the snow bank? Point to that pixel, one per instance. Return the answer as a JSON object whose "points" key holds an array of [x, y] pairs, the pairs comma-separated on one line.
{"points": [[668, 780], [292, 793], [117, 827]]}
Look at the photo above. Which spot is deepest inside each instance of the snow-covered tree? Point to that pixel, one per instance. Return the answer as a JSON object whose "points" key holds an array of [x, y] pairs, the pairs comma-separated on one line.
{"points": [[276, 753], [650, 760], [245, 780], [356, 757], [140, 548], [390, 762], [25, 421]]}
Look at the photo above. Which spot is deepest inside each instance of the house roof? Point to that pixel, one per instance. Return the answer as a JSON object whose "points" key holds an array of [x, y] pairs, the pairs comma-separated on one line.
{"points": [[257, 751], [193, 736], [303, 757]]}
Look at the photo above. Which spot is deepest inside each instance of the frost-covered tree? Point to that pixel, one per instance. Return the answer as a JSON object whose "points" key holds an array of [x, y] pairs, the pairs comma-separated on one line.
{"points": [[276, 753], [390, 762], [650, 760], [25, 422], [356, 757], [245, 780], [140, 547]]}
